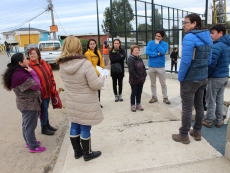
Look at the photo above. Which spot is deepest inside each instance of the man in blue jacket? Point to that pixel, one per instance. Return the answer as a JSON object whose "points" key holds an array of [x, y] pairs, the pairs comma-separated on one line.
{"points": [[156, 51], [218, 72]]}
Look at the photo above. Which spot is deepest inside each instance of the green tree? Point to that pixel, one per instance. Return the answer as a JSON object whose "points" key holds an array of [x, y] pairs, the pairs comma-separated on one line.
{"points": [[220, 11], [175, 35], [158, 20], [118, 18], [84, 45], [142, 35]]}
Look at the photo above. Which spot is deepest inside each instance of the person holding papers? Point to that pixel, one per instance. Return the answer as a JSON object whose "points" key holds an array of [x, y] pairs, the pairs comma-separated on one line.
{"points": [[83, 108], [94, 56]]}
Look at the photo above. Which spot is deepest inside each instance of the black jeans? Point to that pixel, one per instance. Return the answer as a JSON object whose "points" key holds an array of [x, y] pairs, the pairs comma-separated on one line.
{"points": [[173, 64], [136, 94], [192, 93], [120, 83]]}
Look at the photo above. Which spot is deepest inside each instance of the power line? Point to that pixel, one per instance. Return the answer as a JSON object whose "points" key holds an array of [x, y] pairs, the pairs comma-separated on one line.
{"points": [[18, 26], [16, 13], [44, 20], [59, 21], [17, 19]]}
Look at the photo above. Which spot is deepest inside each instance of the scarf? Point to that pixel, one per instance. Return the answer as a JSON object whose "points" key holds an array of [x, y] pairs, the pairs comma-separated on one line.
{"points": [[115, 51], [19, 76]]}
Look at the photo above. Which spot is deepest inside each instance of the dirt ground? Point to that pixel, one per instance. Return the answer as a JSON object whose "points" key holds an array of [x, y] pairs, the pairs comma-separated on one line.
{"points": [[15, 157]]}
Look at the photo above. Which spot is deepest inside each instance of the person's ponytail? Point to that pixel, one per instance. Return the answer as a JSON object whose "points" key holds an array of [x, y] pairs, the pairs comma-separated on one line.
{"points": [[6, 77]]}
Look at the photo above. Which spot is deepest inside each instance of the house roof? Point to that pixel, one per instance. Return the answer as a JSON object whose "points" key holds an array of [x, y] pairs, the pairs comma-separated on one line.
{"points": [[25, 29], [78, 35], [26, 32], [11, 41]]}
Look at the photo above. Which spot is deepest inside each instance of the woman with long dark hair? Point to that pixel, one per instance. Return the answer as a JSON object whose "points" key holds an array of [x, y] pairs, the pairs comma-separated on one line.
{"points": [[193, 76], [117, 58], [25, 83], [94, 56]]}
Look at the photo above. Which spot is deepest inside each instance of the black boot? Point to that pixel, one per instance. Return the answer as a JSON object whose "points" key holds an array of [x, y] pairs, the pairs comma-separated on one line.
{"points": [[50, 127], [46, 131], [76, 146], [88, 154]]}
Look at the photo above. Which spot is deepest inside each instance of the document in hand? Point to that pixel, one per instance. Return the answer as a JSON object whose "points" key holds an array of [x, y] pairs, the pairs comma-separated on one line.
{"points": [[103, 71]]}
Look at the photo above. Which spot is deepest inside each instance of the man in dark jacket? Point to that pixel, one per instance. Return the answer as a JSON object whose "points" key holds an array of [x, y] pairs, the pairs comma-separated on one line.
{"points": [[8, 51], [218, 72], [173, 57]]}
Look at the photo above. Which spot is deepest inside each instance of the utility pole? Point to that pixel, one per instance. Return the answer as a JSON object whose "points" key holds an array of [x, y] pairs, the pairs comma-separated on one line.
{"points": [[52, 17], [98, 29]]}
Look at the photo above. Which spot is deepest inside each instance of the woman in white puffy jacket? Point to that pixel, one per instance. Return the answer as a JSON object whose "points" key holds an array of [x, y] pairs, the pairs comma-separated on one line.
{"points": [[83, 108]]}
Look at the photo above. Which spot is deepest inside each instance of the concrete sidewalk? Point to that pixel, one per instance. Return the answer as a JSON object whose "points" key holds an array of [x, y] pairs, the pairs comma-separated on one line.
{"points": [[140, 142]]}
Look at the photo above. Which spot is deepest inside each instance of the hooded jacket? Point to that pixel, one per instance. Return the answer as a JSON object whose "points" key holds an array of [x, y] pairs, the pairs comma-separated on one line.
{"points": [[197, 69], [81, 85], [219, 66], [93, 58]]}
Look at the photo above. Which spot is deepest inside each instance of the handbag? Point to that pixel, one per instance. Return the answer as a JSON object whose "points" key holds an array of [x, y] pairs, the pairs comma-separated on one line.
{"points": [[56, 101], [116, 68]]}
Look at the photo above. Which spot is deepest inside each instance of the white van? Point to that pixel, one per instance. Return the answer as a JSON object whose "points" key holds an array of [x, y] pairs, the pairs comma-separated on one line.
{"points": [[50, 50]]}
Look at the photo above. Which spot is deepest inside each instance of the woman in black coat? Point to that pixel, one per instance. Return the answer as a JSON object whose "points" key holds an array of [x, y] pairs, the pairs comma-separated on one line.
{"points": [[117, 57], [137, 76]]}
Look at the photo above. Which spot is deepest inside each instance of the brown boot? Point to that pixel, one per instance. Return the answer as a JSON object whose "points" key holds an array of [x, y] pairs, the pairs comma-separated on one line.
{"points": [[206, 124], [219, 125], [197, 136], [166, 100], [178, 138], [153, 99]]}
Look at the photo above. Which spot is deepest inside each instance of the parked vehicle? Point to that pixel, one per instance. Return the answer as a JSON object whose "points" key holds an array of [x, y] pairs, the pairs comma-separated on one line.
{"points": [[50, 50], [28, 47]]}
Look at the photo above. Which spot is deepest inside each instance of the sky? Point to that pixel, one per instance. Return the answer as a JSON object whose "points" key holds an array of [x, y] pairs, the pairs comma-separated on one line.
{"points": [[75, 16]]}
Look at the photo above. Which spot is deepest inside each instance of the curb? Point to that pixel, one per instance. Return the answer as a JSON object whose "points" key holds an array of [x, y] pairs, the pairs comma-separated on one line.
{"points": [[63, 153]]}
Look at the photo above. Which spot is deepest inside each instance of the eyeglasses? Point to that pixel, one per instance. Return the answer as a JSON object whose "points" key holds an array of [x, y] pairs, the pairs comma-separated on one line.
{"points": [[157, 35], [32, 54], [185, 23]]}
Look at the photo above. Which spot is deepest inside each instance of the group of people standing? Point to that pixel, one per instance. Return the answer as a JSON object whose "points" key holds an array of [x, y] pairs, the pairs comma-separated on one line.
{"points": [[202, 65]]}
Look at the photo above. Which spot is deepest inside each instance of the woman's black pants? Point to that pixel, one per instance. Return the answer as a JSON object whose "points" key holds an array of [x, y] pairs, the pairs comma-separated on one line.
{"points": [[120, 83]]}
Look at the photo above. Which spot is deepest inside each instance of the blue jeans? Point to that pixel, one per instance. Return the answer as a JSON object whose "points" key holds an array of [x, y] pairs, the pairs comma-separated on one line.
{"points": [[8, 53], [215, 98], [77, 129], [136, 94], [46, 103]]}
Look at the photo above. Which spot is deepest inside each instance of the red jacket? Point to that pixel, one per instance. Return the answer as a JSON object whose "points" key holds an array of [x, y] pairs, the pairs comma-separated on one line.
{"points": [[44, 71]]}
